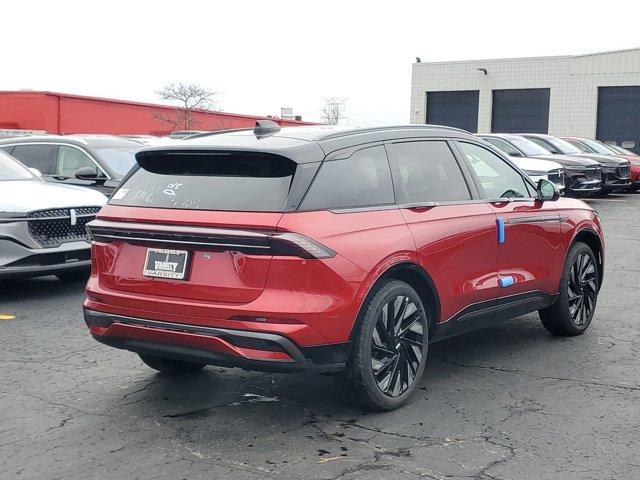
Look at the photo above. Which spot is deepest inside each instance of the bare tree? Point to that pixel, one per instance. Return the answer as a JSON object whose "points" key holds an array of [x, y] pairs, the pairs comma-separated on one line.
{"points": [[333, 110], [189, 97]]}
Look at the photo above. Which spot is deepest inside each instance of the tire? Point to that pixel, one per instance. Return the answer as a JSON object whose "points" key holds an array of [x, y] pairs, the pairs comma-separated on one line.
{"points": [[573, 311], [169, 366], [75, 276], [385, 350]]}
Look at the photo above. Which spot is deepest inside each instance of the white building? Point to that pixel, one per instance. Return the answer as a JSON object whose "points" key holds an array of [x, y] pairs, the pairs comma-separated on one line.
{"points": [[596, 95]]}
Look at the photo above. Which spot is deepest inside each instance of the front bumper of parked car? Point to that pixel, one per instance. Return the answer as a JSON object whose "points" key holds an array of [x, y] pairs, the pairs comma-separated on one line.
{"points": [[19, 260], [614, 178], [45, 242], [583, 181]]}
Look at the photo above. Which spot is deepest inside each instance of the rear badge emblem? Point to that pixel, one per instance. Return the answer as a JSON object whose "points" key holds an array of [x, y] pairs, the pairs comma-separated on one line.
{"points": [[206, 256]]}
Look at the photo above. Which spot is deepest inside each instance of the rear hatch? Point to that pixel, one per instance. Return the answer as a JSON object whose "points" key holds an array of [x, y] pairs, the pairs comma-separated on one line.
{"points": [[195, 224]]}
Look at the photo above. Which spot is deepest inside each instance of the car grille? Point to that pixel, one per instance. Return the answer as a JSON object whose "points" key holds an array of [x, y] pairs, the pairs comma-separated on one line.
{"points": [[593, 173], [624, 171], [556, 176], [52, 228]]}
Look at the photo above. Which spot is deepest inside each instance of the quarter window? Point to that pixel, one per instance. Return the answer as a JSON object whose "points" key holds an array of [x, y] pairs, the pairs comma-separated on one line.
{"points": [[497, 177], [362, 180], [428, 172]]}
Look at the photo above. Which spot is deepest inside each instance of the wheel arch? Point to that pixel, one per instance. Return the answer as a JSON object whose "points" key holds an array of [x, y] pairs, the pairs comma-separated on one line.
{"points": [[421, 281], [589, 237]]}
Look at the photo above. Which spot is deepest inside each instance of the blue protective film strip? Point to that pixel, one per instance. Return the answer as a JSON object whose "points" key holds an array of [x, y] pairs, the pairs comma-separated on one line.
{"points": [[500, 224], [507, 281]]}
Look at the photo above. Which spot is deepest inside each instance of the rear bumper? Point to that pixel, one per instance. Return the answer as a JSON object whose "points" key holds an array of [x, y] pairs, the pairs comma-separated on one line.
{"points": [[250, 350]]}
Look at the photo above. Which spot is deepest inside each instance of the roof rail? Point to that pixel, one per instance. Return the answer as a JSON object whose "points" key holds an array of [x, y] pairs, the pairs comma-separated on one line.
{"points": [[358, 131]]}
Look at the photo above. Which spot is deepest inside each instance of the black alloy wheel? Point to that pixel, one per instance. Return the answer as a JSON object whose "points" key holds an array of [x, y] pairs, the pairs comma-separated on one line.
{"points": [[582, 289], [397, 345], [575, 304]]}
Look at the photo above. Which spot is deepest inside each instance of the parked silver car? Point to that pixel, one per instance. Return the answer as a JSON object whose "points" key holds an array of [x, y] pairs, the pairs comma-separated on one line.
{"points": [[42, 224]]}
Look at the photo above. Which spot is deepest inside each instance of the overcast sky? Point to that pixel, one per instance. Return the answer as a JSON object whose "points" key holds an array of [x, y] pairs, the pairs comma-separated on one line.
{"points": [[261, 55]]}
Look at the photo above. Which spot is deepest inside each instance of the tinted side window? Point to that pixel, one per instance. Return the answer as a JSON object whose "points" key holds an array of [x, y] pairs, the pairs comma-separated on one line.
{"points": [[362, 180], [544, 144], [503, 146], [35, 156], [497, 177], [428, 172], [70, 159], [581, 146]]}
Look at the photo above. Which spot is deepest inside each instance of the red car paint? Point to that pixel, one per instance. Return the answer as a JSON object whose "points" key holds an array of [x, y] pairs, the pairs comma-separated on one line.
{"points": [[315, 302]]}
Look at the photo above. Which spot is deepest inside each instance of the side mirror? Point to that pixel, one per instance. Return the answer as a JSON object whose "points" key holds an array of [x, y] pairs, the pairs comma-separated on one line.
{"points": [[86, 173], [547, 191], [35, 171]]}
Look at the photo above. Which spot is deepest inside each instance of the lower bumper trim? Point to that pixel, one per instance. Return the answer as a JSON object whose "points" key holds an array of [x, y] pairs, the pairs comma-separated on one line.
{"points": [[214, 346]]}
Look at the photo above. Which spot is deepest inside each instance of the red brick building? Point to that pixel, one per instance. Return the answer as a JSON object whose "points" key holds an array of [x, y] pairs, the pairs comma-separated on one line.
{"points": [[60, 113]]}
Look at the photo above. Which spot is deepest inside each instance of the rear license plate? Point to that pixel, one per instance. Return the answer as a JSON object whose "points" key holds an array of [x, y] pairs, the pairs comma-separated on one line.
{"points": [[164, 263]]}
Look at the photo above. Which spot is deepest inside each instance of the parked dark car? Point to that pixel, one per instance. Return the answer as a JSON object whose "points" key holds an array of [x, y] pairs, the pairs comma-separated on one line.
{"points": [[96, 161], [588, 145], [582, 175], [616, 171], [344, 251]]}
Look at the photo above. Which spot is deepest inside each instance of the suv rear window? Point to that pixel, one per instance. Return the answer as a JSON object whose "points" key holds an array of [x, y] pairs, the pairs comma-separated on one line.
{"points": [[232, 181], [362, 180]]}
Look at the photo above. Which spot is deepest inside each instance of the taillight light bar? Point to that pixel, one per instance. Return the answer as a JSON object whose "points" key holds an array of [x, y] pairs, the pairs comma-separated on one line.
{"points": [[249, 241]]}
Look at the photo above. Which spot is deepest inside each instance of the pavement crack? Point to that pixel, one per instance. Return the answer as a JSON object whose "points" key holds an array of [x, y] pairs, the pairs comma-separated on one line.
{"points": [[62, 423], [363, 467], [514, 371]]}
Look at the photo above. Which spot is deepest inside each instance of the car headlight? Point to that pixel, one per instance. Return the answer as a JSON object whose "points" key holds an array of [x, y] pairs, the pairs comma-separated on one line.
{"points": [[535, 173]]}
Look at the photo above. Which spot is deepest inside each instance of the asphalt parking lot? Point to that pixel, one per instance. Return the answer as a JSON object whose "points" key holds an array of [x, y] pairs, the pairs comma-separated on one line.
{"points": [[510, 402]]}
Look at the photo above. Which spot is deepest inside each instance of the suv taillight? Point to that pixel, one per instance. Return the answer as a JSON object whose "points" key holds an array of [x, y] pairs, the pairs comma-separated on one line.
{"points": [[294, 244]]}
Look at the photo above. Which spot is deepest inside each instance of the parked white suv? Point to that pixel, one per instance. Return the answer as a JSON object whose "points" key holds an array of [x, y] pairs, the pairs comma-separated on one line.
{"points": [[538, 169], [42, 224], [535, 168]]}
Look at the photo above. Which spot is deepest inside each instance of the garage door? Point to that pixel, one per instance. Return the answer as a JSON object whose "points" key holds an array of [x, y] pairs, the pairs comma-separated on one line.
{"points": [[454, 109], [523, 110], [619, 116]]}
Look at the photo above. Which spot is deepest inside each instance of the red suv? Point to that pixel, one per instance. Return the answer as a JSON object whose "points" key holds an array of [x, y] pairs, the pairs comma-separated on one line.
{"points": [[344, 251]]}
